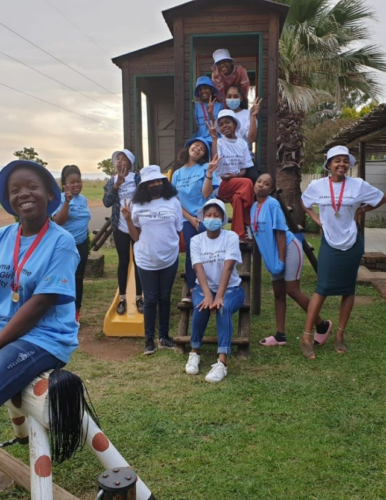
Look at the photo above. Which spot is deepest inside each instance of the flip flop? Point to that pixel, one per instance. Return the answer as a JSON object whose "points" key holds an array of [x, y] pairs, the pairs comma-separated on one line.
{"points": [[340, 346], [271, 342], [307, 350], [321, 338]]}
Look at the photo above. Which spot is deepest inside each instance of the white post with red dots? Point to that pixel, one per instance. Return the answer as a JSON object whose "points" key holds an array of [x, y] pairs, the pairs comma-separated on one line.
{"points": [[40, 462]]}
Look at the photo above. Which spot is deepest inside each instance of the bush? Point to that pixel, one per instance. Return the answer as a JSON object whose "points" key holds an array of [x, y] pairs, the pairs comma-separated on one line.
{"points": [[311, 225], [376, 221]]}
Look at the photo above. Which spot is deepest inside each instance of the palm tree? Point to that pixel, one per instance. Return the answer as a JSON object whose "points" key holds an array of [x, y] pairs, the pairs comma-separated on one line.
{"points": [[323, 57]]}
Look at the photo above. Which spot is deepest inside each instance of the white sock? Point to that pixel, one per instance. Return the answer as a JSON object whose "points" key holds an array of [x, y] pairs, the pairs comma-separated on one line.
{"points": [[137, 297]]}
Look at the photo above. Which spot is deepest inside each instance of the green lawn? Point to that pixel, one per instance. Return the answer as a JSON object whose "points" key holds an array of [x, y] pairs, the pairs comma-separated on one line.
{"points": [[278, 427]]}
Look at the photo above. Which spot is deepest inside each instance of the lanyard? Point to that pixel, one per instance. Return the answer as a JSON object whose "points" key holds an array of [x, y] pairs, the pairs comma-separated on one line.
{"points": [[336, 208], [19, 267], [204, 111], [257, 213]]}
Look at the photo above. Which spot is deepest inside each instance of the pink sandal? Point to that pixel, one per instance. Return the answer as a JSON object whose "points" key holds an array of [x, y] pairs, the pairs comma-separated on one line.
{"points": [[321, 338], [271, 342]]}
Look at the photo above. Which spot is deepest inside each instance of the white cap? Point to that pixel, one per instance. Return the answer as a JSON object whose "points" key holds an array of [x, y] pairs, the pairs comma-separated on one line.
{"points": [[213, 201], [127, 153], [221, 54], [222, 114], [151, 173], [337, 151]]}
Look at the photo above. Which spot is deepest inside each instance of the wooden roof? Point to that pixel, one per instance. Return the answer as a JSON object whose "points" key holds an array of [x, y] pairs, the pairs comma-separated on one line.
{"points": [[371, 129], [191, 8], [140, 52]]}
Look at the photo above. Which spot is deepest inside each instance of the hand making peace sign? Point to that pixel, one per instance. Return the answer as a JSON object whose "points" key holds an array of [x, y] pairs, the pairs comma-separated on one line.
{"points": [[212, 130], [67, 193], [126, 209], [213, 165], [255, 108], [211, 107]]}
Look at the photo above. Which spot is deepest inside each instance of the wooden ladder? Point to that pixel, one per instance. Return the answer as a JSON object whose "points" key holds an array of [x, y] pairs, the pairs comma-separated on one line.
{"points": [[242, 339]]}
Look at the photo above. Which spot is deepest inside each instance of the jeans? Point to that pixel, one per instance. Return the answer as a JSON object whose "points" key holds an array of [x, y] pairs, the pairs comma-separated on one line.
{"points": [[20, 363], [79, 274], [189, 231], [157, 289], [122, 244], [233, 300]]}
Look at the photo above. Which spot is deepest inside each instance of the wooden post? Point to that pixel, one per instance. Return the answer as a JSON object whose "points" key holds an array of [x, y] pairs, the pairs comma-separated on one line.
{"points": [[256, 279], [273, 55], [362, 175], [126, 105], [179, 84]]}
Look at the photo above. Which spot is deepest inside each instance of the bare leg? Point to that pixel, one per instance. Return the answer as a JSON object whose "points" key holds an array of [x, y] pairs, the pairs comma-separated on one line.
{"points": [[279, 289], [346, 305], [314, 308], [294, 291], [223, 358]]}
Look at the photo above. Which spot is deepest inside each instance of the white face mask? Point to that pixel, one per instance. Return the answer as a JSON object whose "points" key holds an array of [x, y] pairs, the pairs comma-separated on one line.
{"points": [[233, 103]]}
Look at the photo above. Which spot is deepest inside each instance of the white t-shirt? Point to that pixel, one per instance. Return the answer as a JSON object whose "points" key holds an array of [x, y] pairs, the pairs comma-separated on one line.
{"points": [[158, 244], [236, 156], [340, 232], [213, 253], [125, 192], [245, 120]]}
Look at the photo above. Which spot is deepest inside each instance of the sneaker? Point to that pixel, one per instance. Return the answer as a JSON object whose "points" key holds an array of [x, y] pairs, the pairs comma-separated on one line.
{"points": [[121, 308], [166, 343], [192, 366], [149, 347], [217, 373], [140, 305], [187, 298]]}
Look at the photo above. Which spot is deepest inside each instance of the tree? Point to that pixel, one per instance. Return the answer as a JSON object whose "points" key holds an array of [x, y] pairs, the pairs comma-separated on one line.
{"points": [[31, 155], [107, 167], [320, 61]]}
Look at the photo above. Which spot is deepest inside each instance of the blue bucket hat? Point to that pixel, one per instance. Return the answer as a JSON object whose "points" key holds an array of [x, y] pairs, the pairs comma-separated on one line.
{"points": [[203, 140], [204, 80], [6, 172]]}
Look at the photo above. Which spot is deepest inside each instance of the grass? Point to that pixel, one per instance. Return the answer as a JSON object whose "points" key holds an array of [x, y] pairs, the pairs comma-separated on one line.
{"points": [[277, 427]]}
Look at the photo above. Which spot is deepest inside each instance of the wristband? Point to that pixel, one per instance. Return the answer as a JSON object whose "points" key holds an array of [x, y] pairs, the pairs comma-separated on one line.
{"points": [[68, 201], [208, 177]]}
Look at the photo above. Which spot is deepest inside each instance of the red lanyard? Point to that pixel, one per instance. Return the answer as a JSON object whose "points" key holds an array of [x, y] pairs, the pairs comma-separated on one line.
{"points": [[336, 208], [19, 267], [257, 213], [204, 111]]}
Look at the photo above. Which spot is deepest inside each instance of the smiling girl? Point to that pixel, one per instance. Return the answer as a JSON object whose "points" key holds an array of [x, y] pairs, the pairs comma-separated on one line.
{"points": [[207, 108], [341, 199], [38, 331], [227, 74], [74, 215]]}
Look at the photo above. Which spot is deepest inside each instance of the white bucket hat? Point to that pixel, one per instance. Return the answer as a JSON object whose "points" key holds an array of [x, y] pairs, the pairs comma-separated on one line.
{"points": [[337, 151], [221, 55], [127, 153], [213, 201], [222, 114], [151, 173]]}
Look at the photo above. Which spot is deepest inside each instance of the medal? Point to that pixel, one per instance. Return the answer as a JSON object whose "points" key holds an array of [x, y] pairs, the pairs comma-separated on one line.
{"points": [[336, 208], [336, 214], [15, 297]]}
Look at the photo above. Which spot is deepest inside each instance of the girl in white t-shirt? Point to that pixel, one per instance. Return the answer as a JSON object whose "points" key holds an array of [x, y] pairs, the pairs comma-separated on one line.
{"points": [[119, 188], [341, 200], [155, 222], [235, 159], [214, 255]]}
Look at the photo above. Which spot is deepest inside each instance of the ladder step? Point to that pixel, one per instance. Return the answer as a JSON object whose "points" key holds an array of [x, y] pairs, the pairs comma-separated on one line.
{"points": [[186, 306], [211, 340]]}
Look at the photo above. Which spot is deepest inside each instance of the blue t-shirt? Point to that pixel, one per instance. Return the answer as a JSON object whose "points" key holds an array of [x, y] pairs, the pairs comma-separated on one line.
{"points": [[271, 218], [50, 269], [78, 217], [189, 181], [199, 117]]}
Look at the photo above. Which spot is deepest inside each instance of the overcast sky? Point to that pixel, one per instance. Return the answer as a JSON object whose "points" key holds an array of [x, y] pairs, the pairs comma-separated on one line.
{"points": [[116, 27]]}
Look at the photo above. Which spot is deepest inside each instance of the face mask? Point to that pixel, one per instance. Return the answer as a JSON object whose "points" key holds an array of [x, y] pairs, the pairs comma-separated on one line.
{"points": [[233, 103], [156, 191], [212, 224]]}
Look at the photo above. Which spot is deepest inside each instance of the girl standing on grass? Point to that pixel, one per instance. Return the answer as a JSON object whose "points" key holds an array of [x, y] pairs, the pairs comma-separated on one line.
{"points": [[341, 200], [38, 331], [195, 182], [119, 188], [235, 159], [283, 258], [215, 254], [74, 215], [155, 221], [207, 108]]}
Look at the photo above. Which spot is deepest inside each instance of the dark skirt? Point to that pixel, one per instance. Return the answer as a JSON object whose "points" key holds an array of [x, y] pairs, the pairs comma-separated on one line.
{"points": [[338, 269]]}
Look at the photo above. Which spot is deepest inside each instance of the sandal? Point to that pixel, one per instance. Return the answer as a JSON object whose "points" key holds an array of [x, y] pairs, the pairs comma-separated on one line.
{"points": [[307, 348], [321, 338], [271, 342], [340, 346]]}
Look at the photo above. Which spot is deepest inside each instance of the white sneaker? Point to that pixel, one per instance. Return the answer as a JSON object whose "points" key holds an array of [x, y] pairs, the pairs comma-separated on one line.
{"points": [[217, 373], [192, 366]]}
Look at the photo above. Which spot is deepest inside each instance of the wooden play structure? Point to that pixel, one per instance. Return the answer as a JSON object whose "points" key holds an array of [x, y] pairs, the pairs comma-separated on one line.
{"points": [[30, 417]]}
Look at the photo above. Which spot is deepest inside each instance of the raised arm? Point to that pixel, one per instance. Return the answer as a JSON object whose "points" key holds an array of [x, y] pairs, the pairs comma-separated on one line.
{"points": [[207, 187], [61, 217], [133, 230], [255, 109]]}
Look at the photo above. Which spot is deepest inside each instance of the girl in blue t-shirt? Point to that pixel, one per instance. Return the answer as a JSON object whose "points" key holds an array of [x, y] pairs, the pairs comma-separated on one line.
{"points": [[38, 260], [283, 258], [74, 215], [207, 107], [195, 183]]}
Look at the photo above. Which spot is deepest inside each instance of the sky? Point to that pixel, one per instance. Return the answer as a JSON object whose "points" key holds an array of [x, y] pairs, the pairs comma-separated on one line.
{"points": [[85, 35]]}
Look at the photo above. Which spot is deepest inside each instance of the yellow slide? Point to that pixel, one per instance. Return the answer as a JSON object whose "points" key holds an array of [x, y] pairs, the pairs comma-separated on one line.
{"points": [[130, 324]]}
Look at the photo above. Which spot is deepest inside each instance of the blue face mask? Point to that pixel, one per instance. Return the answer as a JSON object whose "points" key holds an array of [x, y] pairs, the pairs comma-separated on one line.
{"points": [[233, 103], [212, 224]]}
